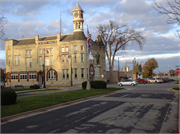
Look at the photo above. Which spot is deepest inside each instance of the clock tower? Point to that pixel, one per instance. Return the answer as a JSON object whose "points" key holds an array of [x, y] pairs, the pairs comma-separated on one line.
{"points": [[78, 18]]}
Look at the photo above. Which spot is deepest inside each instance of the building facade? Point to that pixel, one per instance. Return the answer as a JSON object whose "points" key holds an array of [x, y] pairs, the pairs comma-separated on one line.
{"points": [[65, 57]]}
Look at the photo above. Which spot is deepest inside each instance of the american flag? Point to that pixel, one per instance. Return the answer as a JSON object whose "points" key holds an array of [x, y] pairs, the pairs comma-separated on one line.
{"points": [[89, 44]]}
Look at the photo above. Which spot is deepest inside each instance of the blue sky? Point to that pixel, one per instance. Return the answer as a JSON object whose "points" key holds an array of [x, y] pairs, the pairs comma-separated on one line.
{"points": [[41, 17]]}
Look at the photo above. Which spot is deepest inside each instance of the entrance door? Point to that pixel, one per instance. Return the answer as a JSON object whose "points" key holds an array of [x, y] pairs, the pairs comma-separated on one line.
{"points": [[91, 73]]}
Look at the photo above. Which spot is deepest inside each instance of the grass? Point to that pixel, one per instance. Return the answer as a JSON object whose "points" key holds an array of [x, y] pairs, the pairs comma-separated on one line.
{"points": [[40, 101], [176, 88], [45, 90], [22, 89]]}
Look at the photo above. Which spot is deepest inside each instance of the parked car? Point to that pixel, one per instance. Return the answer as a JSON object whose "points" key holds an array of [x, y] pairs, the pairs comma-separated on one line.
{"points": [[157, 80], [143, 80], [147, 79], [167, 79], [127, 82]]}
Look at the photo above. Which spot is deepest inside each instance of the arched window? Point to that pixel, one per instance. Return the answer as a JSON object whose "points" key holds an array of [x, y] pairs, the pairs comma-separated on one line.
{"points": [[52, 74]]}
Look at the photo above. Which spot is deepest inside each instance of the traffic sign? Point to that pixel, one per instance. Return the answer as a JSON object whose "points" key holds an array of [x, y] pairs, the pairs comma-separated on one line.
{"points": [[177, 70], [177, 65]]}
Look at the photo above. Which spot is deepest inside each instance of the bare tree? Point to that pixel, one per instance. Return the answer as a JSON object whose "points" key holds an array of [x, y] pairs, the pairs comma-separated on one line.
{"points": [[117, 37], [3, 22], [172, 10]]}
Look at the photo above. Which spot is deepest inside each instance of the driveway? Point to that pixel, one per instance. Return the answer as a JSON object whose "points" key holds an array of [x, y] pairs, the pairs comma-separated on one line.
{"points": [[140, 109]]}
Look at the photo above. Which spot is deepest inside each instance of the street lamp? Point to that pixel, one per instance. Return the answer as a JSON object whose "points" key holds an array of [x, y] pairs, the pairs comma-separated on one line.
{"points": [[44, 68], [71, 69]]}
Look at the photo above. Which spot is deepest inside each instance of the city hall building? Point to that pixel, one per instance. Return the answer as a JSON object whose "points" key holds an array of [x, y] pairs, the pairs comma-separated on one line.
{"points": [[65, 57]]}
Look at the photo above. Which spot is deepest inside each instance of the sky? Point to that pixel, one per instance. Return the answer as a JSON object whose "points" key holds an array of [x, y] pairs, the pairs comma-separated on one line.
{"points": [[27, 18]]}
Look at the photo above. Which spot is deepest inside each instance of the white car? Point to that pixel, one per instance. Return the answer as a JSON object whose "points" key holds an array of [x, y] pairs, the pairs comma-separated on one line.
{"points": [[157, 80], [127, 82]]}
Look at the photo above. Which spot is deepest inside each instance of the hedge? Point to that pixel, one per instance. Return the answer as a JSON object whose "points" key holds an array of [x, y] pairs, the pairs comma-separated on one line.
{"points": [[8, 97], [95, 84]]}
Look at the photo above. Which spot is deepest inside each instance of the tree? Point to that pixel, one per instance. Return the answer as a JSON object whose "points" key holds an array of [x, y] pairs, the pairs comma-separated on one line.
{"points": [[172, 10], [148, 68], [3, 75], [117, 37], [3, 22]]}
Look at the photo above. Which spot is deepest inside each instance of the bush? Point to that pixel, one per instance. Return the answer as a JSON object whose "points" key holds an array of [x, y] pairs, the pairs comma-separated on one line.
{"points": [[8, 97], [95, 84], [35, 86]]}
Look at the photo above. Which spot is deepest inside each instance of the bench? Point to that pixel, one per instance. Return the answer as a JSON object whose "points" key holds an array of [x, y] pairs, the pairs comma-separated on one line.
{"points": [[19, 86]]}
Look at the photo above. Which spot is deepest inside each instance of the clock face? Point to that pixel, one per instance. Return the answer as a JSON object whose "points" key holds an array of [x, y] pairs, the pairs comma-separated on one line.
{"points": [[76, 15]]}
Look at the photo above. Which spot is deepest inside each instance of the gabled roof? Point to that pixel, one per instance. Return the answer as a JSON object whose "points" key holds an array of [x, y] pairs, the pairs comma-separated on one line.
{"points": [[100, 41], [77, 7]]}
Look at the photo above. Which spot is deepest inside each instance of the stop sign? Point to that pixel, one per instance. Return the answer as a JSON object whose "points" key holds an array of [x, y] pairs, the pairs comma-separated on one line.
{"points": [[177, 70]]}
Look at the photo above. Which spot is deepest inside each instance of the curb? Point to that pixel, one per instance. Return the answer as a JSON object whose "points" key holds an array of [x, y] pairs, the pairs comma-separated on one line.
{"points": [[174, 90], [7, 118]]}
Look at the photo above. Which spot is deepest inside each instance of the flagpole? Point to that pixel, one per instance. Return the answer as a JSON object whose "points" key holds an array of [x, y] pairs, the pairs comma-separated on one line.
{"points": [[88, 86]]}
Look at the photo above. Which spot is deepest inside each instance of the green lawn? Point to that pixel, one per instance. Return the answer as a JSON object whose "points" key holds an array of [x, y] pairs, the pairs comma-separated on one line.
{"points": [[38, 91], [40, 101], [176, 88]]}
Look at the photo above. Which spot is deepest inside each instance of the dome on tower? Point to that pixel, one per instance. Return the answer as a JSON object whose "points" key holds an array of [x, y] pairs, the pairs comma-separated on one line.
{"points": [[77, 7]]}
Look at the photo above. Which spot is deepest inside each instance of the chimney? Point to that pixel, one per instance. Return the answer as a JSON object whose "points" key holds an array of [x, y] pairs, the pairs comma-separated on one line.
{"points": [[36, 39]]}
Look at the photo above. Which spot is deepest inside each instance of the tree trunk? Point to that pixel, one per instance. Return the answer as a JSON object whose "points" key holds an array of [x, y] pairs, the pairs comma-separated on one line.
{"points": [[110, 72]]}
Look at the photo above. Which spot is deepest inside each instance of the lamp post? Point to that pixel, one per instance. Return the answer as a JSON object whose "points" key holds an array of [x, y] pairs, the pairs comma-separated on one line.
{"points": [[71, 69], [44, 68]]}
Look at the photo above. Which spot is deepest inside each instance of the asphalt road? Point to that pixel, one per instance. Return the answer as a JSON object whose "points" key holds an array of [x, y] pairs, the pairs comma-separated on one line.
{"points": [[139, 109]]}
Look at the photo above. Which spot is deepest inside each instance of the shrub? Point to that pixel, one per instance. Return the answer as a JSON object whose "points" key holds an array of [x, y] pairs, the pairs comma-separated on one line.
{"points": [[35, 86], [8, 97], [95, 84]]}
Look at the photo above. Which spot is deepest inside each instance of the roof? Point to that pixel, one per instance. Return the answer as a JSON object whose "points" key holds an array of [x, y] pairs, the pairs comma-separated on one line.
{"points": [[25, 41], [68, 37], [77, 7]]}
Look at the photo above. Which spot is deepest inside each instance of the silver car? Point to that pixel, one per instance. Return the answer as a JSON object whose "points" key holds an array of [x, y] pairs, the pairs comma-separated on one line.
{"points": [[127, 82]]}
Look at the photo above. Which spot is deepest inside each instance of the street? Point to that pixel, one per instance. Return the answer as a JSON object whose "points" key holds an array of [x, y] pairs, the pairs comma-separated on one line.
{"points": [[139, 109]]}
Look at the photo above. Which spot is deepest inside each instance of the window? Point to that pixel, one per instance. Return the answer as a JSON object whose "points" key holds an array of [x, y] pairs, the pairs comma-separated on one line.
{"points": [[75, 57], [26, 52], [32, 75], [10, 43], [43, 51], [66, 58], [52, 74], [27, 62], [63, 73], [47, 51], [66, 49], [23, 75], [62, 49], [7, 44], [82, 48], [14, 75], [40, 51], [46, 61], [30, 52], [82, 57], [62, 58], [9, 60], [51, 60], [30, 62], [67, 74], [15, 60], [82, 72], [75, 73], [19, 60], [40, 60], [51, 50], [75, 48]]}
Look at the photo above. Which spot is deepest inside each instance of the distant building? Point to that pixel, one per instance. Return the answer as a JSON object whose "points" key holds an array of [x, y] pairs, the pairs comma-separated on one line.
{"points": [[64, 56]]}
